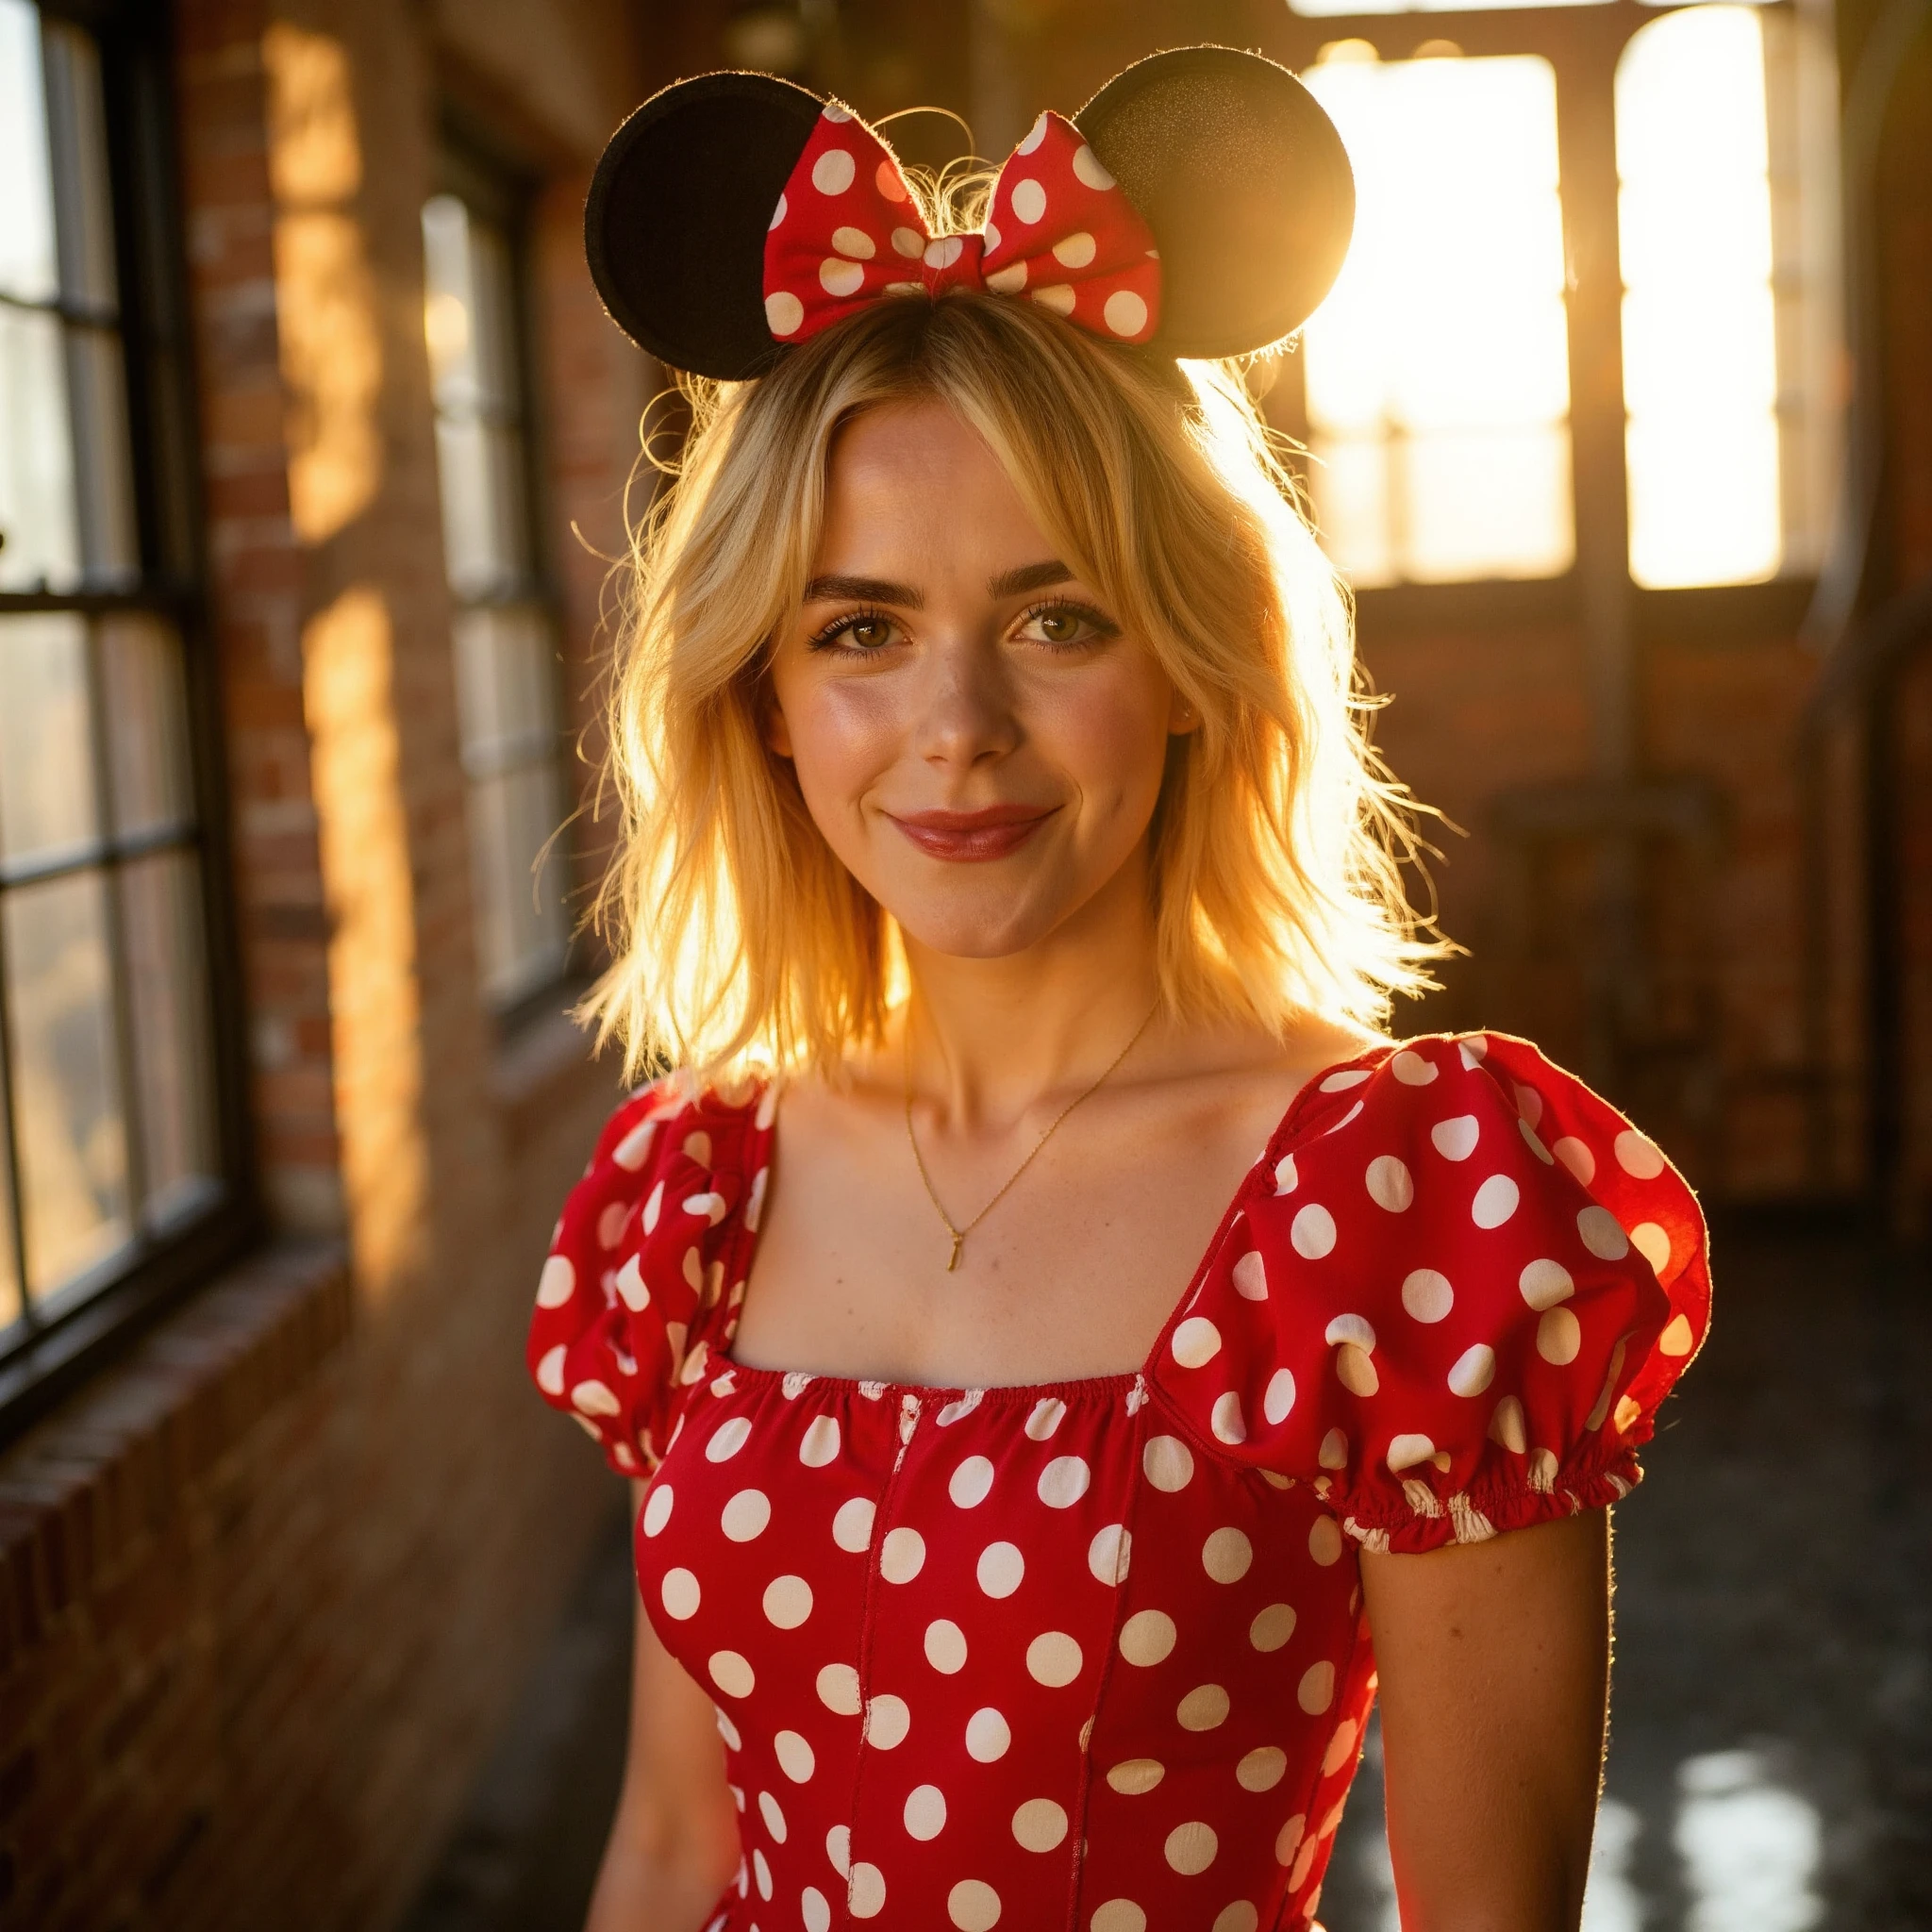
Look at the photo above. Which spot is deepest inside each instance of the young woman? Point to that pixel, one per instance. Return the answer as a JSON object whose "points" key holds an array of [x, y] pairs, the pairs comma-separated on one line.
{"points": [[1068, 1355]]}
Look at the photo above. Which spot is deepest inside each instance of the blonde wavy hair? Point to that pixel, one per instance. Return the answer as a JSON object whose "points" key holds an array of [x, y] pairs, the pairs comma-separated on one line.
{"points": [[1277, 848]]}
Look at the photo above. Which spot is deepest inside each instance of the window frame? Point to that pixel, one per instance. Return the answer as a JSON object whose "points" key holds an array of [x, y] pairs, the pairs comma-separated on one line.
{"points": [[1583, 44], [101, 1311], [502, 190]]}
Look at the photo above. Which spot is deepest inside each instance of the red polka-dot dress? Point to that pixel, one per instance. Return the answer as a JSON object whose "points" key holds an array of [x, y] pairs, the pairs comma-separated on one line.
{"points": [[1092, 1654]]}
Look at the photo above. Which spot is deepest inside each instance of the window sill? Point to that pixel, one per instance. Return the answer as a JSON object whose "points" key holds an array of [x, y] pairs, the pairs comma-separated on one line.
{"points": [[115, 1464]]}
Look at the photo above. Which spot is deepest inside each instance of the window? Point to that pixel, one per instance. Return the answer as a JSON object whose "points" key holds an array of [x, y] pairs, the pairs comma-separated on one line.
{"points": [[112, 1148], [1438, 382], [506, 630]]}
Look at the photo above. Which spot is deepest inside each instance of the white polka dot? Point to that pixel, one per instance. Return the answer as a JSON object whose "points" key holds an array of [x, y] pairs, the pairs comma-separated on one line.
{"points": [[1601, 1233], [630, 1286], [1638, 1155], [1108, 1554], [1118, 1915], [1389, 1184], [559, 1280], [1046, 1418], [658, 1507], [1190, 1847], [1087, 166], [1204, 1709], [1168, 1463], [1535, 1146], [1576, 1158], [1226, 1555], [796, 1758], [944, 251], [865, 1897], [1198, 1341], [838, 1689], [814, 1909], [1678, 1337], [925, 1812], [1000, 1568], [971, 1482], [1124, 312], [1312, 1232], [1272, 1627], [594, 1398], [788, 1602], [1495, 1201], [1238, 1917], [728, 1440], [1029, 201], [855, 242], [1507, 1425], [1543, 1284], [1412, 1069], [1009, 281], [796, 1383], [1289, 1839], [1476, 1368], [1053, 1658], [761, 1869], [1325, 1540], [1406, 1451], [654, 1206], [1558, 1336], [1542, 1469], [1286, 1178], [1262, 1769], [1064, 1481], [1654, 1244], [833, 172], [886, 1721], [1228, 1424], [945, 1647], [1345, 1077], [1057, 296], [908, 242], [1341, 1748], [745, 1516], [1333, 1453], [679, 1594], [1356, 1372], [821, 1443], [1039, 1824], [988, 1738], [731, 1673], [1279, 1398], [837, 276], [902, 1556], [1455, 1139], [784, 311], [1135, 1776], [727, 1730], [629, 1152], [839, 1849], [1147, 1637], [851, 1525], [1356, 1329], [1075, 250], [1316, 1690], [1251, 1277], [773, 1816], [974, 1906], [1030, 142]]}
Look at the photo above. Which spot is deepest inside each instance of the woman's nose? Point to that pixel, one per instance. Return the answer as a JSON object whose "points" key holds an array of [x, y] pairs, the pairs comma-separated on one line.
{"points": [[968, 713]]}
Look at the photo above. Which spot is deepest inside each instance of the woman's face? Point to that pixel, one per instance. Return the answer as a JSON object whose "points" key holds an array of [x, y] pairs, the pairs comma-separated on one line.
{"points": [[975, 732]]}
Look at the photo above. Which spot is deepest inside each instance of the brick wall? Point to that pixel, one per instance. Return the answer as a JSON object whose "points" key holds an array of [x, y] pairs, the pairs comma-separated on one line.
{"points": [[267, 1587]]}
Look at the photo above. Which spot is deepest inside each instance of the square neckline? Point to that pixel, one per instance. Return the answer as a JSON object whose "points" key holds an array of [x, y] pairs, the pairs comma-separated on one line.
{"points": [[746, 1243]]}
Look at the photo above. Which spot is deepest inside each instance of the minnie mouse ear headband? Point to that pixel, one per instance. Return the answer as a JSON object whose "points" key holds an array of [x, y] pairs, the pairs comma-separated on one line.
{"points": [[1199, 204]]}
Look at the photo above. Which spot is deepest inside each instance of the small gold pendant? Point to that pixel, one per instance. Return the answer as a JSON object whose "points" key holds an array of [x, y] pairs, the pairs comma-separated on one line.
{"points": [[959, 1243]]}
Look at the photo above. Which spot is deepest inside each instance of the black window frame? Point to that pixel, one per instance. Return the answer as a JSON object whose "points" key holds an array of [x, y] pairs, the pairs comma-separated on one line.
{"points": [[103, 1312]]}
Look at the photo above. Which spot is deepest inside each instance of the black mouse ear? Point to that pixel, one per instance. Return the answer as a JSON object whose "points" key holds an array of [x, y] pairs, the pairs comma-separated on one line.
{"points": [[1244, 180], [675, 226]]}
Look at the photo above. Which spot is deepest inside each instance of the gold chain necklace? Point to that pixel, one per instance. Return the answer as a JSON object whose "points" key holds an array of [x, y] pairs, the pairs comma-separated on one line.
{"points": [[960, 1233]]}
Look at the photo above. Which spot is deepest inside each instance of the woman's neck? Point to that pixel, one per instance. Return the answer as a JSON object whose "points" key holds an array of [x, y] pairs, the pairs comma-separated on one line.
{"points": [[989, 1039]]}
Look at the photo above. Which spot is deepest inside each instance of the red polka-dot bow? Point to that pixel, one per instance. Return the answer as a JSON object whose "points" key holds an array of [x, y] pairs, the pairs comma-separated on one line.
{"points": [[847, 231]]}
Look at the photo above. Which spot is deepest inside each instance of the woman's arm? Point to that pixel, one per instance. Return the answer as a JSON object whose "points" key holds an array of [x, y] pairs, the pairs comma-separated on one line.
{"points": [[673, 1841], [1494, 1666]]}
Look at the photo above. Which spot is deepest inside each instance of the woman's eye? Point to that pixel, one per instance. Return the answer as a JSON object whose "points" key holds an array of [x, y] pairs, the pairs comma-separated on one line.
{"points": [[1064, 623], [870, 632]]}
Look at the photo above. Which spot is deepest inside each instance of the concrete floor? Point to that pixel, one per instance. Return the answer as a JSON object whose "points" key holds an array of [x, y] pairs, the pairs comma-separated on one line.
{"points": [[1771, 1762]]}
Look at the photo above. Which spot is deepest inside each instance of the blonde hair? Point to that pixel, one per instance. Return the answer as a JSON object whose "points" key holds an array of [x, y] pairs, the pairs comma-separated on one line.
{"points": [[1276, 846]]}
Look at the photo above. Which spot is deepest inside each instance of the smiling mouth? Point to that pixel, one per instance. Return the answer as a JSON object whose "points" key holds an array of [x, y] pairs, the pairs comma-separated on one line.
{"points": [[969, 836]]}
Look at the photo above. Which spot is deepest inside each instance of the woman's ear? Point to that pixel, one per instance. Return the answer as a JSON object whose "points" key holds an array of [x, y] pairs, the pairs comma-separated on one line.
{"points": [[776, 732], [1182, 717]]}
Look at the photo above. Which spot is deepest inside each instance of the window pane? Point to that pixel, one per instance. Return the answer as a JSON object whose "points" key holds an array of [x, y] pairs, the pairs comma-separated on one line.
{"points": [[78, 141], [480, 470], [46, 746], [39, 542], [506, 687], [520, 912], [1445, 339], [147, 724], [11, 1300], [103, 486], [168, 997], [1700, 321], [72, 1141], [29, 265]]}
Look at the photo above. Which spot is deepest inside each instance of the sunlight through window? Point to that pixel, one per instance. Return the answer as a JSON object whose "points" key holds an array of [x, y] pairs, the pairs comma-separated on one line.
{"points": [[1437, 369]]}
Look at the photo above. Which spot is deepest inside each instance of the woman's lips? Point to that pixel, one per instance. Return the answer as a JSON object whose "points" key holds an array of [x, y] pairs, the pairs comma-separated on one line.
{"points": [[991, 833]]}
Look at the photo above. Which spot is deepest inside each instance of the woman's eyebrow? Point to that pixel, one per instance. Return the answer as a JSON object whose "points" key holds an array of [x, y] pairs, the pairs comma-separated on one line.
{"points": [[1029, 576], [863, 590]]}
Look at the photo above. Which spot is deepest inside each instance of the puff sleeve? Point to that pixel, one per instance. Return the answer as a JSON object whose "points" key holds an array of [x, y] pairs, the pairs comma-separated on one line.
{"points": [[1453, 1300], [632, 1299]]}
